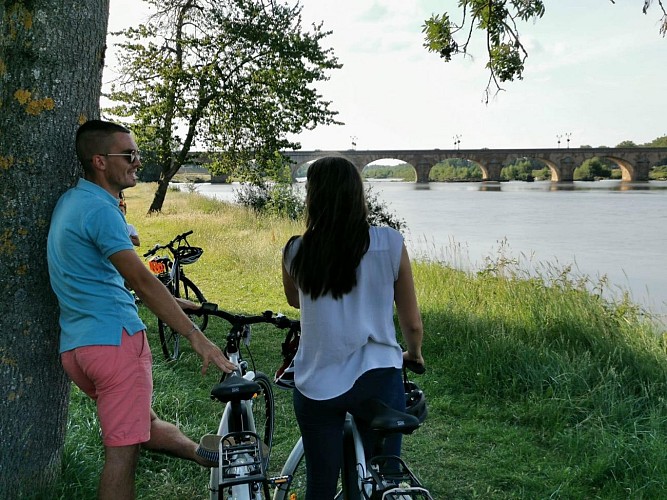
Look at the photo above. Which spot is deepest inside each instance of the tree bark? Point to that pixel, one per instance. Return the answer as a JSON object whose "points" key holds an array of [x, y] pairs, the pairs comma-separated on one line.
{"points": [[51, 61]]}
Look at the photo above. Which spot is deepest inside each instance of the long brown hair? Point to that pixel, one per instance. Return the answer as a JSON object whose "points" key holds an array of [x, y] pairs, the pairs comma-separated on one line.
{"points": [[336, 236]]}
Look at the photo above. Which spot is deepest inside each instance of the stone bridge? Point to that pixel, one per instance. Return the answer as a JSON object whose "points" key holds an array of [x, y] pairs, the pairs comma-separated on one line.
{"points": [[634, 162]]}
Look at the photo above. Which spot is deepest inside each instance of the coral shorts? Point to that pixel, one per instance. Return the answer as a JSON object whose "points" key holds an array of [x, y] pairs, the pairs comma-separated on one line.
{"points": [[119, 379]]}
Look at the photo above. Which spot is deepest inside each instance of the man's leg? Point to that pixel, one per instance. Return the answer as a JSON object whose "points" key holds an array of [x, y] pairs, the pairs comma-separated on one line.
{"points": [[167, 438], [117, 479]]}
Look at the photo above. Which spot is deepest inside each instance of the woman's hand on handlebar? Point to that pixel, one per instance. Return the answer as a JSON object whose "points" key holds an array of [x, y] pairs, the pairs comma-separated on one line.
{"points": [[414, 363]]}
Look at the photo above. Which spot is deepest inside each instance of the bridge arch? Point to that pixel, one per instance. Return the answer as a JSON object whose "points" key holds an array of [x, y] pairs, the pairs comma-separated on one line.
{"points": [[389, 163]]}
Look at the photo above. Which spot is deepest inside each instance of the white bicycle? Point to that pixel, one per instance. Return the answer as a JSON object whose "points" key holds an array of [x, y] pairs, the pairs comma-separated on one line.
{"points": [[380, 477], [245, 433]]}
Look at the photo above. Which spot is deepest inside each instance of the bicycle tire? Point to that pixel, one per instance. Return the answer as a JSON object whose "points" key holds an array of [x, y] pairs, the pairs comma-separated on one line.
{"points": [[263, 411], [169, 338], [295, 467], [263, 414], [191, 292]]}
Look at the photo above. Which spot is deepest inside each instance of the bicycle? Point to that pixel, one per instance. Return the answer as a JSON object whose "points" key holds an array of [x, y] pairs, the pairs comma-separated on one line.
{"points": [[169, 270], [247, 423], [380, 477]]}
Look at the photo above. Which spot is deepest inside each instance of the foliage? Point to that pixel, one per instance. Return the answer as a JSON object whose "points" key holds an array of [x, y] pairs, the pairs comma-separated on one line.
{"points": [[235, 77], [658, 142], [378, 212], [283, 200], [592, 169], [536, 386], [288, 201], [455, 170], [498, 20], [658, 173], [520, 170], [542, 174], [402, 172]]}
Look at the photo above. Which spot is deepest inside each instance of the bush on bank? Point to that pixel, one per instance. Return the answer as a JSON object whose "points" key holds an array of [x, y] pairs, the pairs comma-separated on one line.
{"points": [[537, 386]]}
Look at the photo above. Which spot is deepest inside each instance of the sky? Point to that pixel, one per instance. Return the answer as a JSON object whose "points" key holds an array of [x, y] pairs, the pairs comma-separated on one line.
{"points": [[596, 71]]}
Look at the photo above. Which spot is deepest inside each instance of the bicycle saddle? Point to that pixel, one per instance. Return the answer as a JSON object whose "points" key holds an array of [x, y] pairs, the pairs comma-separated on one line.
{"points": [[382, 418], [235, 388]]}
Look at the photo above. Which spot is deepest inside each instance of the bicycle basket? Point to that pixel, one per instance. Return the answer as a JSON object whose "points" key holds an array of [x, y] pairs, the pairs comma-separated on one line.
{"points": [[284, 377], [160, 266], [188, 254]]}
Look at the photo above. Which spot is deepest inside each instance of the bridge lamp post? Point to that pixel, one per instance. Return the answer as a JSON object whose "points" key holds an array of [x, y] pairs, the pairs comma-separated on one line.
{"points": [[558, 136], [568, 139], [457, 141]]}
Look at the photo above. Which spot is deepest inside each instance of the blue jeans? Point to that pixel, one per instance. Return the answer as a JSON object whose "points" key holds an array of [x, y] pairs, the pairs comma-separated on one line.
{"points": [[321, 424]]}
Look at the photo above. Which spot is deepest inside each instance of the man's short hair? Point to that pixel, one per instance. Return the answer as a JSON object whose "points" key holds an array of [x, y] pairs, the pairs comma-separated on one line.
{"points": [[94, 136]]}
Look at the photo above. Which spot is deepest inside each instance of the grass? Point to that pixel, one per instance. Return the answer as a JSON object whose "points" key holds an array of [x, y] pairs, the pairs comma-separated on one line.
{"points": [[537, 387]]}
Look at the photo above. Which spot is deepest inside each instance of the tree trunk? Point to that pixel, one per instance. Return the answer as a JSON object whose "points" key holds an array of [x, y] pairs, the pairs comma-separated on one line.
{"points": [[160, 194], [51, 60]]}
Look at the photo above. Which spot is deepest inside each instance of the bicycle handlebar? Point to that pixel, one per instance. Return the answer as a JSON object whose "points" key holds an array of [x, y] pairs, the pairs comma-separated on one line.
{"points": [[169, 245], [278, 320], [414, 367], [236, 320]]}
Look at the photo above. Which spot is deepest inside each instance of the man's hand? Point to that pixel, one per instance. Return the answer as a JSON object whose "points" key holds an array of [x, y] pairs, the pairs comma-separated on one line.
{"points": [[186, 304], [209, 353]]}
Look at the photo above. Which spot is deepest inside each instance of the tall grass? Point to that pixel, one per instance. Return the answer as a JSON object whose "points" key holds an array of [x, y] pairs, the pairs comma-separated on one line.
{"points": [[537, 386]]}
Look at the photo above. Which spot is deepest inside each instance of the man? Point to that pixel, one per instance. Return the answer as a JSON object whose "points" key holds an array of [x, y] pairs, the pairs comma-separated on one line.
{"points": [[103, 342]]}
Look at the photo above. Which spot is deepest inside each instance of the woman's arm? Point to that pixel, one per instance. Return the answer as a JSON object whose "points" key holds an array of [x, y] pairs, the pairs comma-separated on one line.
{"points": [[291, 291], [409, 317]]}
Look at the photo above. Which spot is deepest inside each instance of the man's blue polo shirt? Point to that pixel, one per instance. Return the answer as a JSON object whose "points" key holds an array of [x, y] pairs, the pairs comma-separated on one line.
{"points": [[87, 227]]}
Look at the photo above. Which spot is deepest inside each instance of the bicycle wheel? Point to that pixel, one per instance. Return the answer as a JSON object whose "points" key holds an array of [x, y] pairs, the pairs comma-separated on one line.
{"points": [[169, 338], [263, 412], [295, 467], [188, 290], [169, 341]]}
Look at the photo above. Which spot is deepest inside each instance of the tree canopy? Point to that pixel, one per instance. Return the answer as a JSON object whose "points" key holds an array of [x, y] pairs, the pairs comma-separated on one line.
{"points": [[233, 77], [499, 20]]}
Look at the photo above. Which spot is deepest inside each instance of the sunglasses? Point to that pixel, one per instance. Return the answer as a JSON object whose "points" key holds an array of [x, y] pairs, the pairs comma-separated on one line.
{"points": [[133, 155]]}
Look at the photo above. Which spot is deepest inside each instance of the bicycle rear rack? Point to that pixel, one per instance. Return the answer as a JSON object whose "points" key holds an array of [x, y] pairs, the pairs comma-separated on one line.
{"points": [[241, 459], [393, 480]]}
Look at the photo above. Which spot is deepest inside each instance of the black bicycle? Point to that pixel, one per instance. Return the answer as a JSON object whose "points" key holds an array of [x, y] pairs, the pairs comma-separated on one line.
{"points": [[168, 267]]}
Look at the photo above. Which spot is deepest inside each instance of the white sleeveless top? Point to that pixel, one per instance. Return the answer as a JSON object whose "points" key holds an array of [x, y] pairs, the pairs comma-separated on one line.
{"points": [[342, 339]]}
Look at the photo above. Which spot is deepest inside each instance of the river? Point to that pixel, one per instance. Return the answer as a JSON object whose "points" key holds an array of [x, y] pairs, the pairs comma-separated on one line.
{"points": [[604, 229]]}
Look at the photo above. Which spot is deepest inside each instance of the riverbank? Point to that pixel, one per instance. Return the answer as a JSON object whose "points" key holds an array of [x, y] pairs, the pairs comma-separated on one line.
{"points": [[536, 388]]}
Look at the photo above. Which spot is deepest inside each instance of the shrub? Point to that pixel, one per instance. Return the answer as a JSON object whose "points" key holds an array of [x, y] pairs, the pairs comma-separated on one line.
{"points": [[277, 199], [286, 200]]}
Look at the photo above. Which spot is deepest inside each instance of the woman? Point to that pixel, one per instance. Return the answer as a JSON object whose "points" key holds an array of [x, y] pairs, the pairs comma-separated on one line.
{"points": [[346, 276]]}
